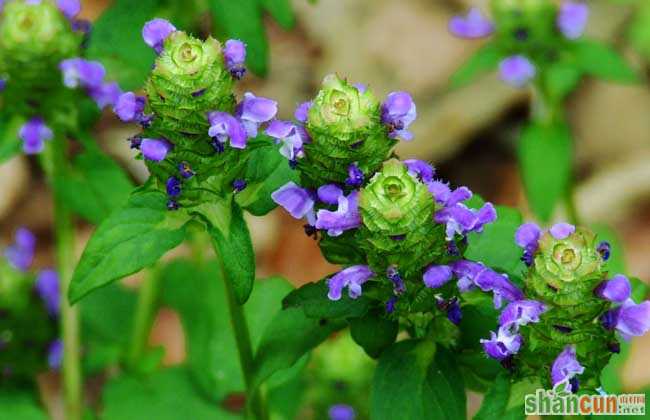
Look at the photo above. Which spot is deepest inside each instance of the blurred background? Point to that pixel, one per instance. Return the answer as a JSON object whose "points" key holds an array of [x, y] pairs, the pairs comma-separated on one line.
{"points": [[468, 134]]}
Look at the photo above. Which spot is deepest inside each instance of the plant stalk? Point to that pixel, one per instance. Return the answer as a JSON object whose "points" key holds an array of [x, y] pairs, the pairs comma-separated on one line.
{"points": [[144, 316]]}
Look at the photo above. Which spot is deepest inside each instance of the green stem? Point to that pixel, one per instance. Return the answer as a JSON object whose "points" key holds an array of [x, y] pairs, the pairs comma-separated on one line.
{"points": [[64, 232], [244, 347], [144, 317], [570, 206]]}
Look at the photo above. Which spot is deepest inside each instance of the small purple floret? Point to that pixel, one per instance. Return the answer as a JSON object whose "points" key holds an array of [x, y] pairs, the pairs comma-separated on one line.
{"points": [[345, 217], [352, 278], [34, 133], [155, 149], [517, 70], [234, 54], [572, 19], [616, 289], [355, 176], [562, 230], [47, 287], [472, 26], [436, 276], [397, 113], [565, 367], [296, 200], [155, 32]]}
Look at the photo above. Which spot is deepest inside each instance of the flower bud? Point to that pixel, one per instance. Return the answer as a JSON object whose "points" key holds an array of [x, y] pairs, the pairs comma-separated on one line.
{"points": [[344, 123]]}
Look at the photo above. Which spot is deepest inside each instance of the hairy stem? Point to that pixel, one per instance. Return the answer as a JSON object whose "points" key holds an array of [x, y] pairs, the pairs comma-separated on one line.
{"points": [[144, 316], [244, 346], [55, 166]]}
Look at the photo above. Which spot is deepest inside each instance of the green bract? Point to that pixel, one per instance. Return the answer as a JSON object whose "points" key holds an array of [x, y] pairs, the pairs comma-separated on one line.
{"points": [[345, 127], [34, 39], [398, 228]]}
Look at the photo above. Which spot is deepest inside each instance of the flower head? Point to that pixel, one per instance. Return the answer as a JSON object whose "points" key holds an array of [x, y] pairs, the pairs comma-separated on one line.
{"points": [[34, 133], [155, 32], [21, 253], [572, 19], [473, 25], [352, 278], [47, 287], [565, 367], [516, 70], [398, 112]]}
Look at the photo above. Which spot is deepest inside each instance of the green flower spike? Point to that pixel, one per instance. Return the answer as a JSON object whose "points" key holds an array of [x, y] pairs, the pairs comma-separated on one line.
{"points": [[344, 124]]}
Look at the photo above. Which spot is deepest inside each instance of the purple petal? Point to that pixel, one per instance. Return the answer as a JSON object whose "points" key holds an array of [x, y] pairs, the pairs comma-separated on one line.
{"points": [[21, 254], [224, 126], [254, 110], [527, 235], [473, 25], [47, 287], [302, 111], [34, 133], [355, 176], [398, 112], [633, 319], [25, 239], [489, 280], [294, 199], [572, 19], [352, 277], [361, 87], [288, 135], [329, 194], [458, 195], [345, 217], [55, 354], [420, 169], [3, 83], [502, 345], [521, 312], [566, 367], [155, 149], [437, 275], [70, 8], [440, 191], [616, 289], [129, 107], [562, 230], [516, 70], [107, 94], [341, 412], [155, 32], [79, 72]]}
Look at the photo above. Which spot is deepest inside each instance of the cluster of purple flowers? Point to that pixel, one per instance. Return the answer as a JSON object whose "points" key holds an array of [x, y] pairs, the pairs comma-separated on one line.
{"points": [[20, 256], [89, 75], [518, 69]]}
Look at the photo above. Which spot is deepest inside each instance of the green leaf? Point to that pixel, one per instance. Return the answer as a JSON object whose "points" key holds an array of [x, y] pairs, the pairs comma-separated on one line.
{"points": [[483, 61], [560, 79], [415, 380], [545, 155], [495, 403], [20, 405], [342, 250], [132, 238], [496, 246], [106, 322], [164, 395], [242, 20], [267, 171], [599, 60], [198, 294], [288, 337], [10, 143], [94, 187], [117, 42], [312, 298], [374, 333], [236, 252], [478, 371], [281, 11]]}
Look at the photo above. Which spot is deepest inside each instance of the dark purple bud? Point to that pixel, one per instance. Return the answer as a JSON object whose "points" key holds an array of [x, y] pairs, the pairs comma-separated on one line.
{"points": [[563, 329], [55, 354], [574, 384], [173, 186], [198, 93], [310, 230], [609, 319], [398, 284], [47, 287], [185, 170], [454, 313], [355, 176], [604, 249], [390, 305], [3, 84], [238, 185], [217, 146], [452, 248], [398, 237], [172, 205], [135, 142], [614, 347]]}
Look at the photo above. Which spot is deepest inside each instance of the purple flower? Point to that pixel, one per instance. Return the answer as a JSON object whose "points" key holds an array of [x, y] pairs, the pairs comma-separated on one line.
{"points": [[21, 253], [70, 8], [461, 220], [466, 271], [294, 199], [47, 287], [473, 25], [502, 345], [632, 320], [155, 149], [440, 191], [521, 312], [55, 354], [253, 110], [302, 111], [420, 169], [185, 170], [173, 186], [239, 185], [472, 274], [437, 275], [289, 135], [79, 72], [565, 368], [604, 249], [454, 313], [516, 70], [527, 237], [105, 94], [398, 112], [562, 230], [352, 277], [329, 193], [572, 19], [3, 84], [234, 54], [344, 218], [224, 126], [34, 133], [341, 412], [129, 107], [390, 304], [355, 176], [155, 32], [616, 289]]}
